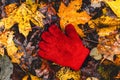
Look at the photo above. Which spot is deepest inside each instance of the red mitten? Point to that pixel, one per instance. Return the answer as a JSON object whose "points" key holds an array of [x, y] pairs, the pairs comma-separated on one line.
{"points": [[65, 49]]}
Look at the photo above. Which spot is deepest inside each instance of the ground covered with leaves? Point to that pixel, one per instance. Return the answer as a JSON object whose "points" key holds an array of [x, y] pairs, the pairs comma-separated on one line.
{"points": [[23, 21]]}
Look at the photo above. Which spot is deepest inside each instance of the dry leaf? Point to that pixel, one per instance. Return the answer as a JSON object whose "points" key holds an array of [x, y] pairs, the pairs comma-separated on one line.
{"points": [[32, 77], [105, 25], [1, 50], [12, 49], [23, 15], [9, 8], [6, 39], [114, 5], [109, 46], [6, 68], [94, 53], [3, 41], [117, 60], [69, 14], [92, 78], [67, 74]]}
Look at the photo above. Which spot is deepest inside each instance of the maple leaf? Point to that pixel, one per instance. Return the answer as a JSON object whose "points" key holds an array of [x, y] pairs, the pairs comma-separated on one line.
{"points": [[1, 50], [65, 74], [68, 14], [3, 42], [23, 15], [9, 8], [114, 5], [105, 25], [6, 39], [32, 77]]}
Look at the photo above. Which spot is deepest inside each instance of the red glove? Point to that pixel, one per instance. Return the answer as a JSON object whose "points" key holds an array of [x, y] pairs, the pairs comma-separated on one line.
{"points": [[64, 49]]}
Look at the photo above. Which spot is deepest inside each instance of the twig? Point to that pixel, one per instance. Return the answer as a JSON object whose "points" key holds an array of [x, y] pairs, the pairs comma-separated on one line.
{"points": [[90, 40]]}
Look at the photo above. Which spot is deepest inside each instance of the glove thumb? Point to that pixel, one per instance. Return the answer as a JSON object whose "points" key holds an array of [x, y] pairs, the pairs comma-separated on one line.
{"points": [[71, 32]]}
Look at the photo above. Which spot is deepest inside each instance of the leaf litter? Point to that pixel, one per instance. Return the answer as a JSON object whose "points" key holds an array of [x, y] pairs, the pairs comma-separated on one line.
{"points": [[21, 25]]}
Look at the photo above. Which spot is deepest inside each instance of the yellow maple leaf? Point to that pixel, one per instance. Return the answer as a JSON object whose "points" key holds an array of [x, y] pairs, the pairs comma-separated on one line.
{"points": [[69, 14], [6, 39], [66, 73], [3, 42], [1, 50], [9, 8], [12, 49], [114, 5], [105, 25], [32, 77], [23, 15]]}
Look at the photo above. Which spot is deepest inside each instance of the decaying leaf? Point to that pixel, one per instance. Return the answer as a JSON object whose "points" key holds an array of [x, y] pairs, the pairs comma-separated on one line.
{"points": [[23, 50], [23, 15], [6, 68], [90, 70], [69, 14], [118, 75], [94, 53], [109, 46], [117, 60], [67, 74]]}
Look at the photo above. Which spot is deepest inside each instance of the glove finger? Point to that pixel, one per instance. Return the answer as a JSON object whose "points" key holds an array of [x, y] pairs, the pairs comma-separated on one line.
{"points": [[47, 37], [71, 32], [45, 46], [55, 31]]}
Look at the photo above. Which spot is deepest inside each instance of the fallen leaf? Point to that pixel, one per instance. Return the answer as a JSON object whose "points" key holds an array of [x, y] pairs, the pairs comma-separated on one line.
{"points": [[114, 5], [68, 14], [92, 78], [94, 53], [9, 8], [23, 15], [6, 68], [105, 25], [1, 50], [6, 39], [108, 46], [117, 60], [66, 73], [32, 77]]}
